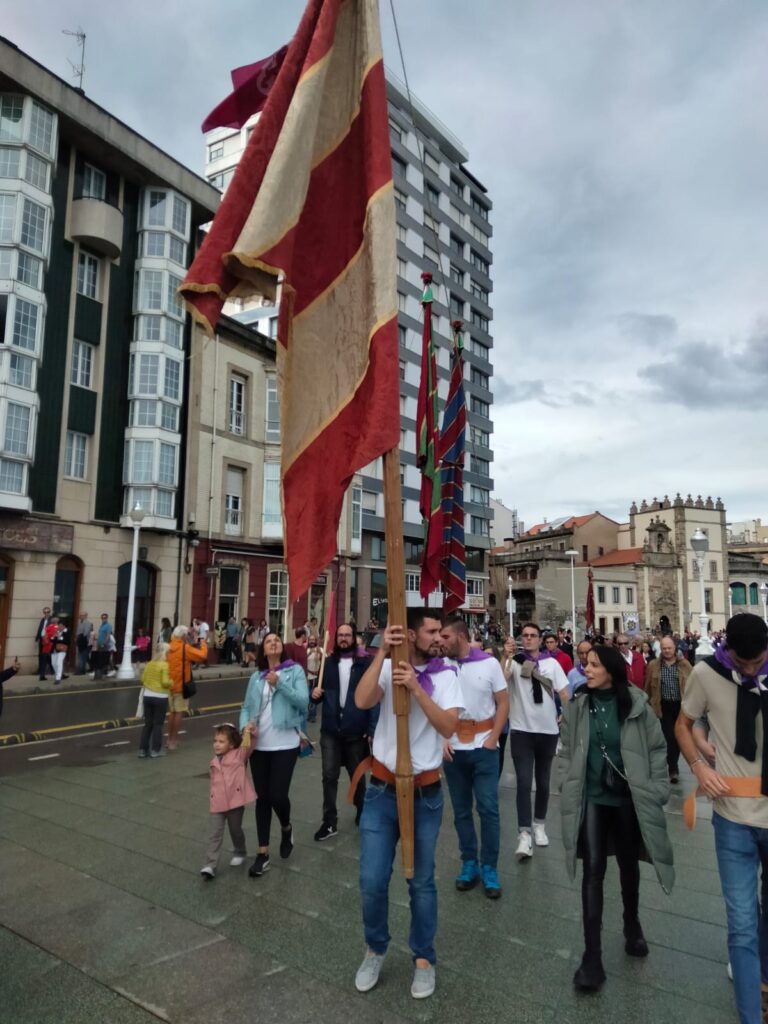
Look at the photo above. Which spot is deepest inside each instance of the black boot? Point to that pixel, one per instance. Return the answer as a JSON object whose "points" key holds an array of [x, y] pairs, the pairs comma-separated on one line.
{"points": [[590, 974], [635, 944]]}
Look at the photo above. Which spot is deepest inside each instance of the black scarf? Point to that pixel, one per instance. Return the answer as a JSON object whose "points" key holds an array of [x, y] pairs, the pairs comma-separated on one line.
{"points": [[749, 701], [537, 679]]}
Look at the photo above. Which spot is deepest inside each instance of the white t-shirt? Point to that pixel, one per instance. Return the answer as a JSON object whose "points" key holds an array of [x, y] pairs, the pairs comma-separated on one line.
{"points": [[345, 671], [426, 741], [524, 714], [203, 629], [270, 737], [479, 681]]}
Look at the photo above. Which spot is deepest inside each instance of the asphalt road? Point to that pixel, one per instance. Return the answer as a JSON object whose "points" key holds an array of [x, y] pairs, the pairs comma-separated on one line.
{"points": [[79, 727]]}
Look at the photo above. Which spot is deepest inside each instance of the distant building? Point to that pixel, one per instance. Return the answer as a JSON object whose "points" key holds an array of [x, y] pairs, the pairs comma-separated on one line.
{"points": [[505, 524]]}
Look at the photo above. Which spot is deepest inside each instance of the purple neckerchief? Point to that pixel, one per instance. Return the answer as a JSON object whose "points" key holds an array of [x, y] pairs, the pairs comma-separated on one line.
{"points": [[722, 655], [424, 672], [580, 669], [475, 654], [283, 664], [537, 657]]}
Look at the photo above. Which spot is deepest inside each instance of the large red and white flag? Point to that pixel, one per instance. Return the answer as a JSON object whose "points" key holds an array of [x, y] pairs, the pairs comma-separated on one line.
{"points": [[311, 202]]}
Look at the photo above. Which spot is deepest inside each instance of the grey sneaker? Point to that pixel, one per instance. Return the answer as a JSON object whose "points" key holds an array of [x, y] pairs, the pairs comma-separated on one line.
{"points": [[423, 984], [368, 972]]}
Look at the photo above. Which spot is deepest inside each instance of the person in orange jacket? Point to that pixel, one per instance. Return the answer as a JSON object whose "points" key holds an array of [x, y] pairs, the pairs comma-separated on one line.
{"points": [[184, 650]]}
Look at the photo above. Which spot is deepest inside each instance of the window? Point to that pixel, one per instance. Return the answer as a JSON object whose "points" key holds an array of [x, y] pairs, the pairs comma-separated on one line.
{"points": [[144, 413], [753, 588], [456, 306], [237, 404], [357, 513], [87, 274], [478, 262], [479, 495], [369, 502], [432, 195], [172, 381], [173, 333], [457, 275], [402, 268], [431, 224], [395, 131], [413, 582], [478, 291], [378, 547], [82, 364], [456, 245], [432, 162], [233, 500], [25, 324], [154, 244], [474, 587], [33, 226], [479, 407], [456, 187], [584, 553], [175, 307], [278, 594], [273, 519], [456, 214], [477, 206], [479, 437], [167, 465], [401, 302], [708, 601], [739, 594], [401, 233], [615, 595], [179, 223], [216, 152], [402, 338], [7, 217], [75, 455], [41, 129], [17, 420], [630, 595], [478, 319], [713, 570], [601, 627], [402, 368], [272, 327], [479, 378], [11, 476], [479, 349], [36, 171], [147, 377], [9, 162], [177, 251], [431, 256], [398, 166], [21, 371], [151, 289], [601, 595], [169, 417], [157, 209], [143, 459], [29, 270], [164, 504], [94, 183], [478, 234], [479, 526], [414, 551], [11, 111], [480, 466], [273, 411], [400, 199]]}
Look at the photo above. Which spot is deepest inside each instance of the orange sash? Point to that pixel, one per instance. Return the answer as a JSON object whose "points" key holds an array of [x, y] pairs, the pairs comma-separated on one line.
{"points": [[739, 786]]}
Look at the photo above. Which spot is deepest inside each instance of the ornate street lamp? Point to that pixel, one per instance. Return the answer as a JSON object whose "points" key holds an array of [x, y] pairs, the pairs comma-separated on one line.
{"points": [[573, 555], [700, 545], [126, 667]]}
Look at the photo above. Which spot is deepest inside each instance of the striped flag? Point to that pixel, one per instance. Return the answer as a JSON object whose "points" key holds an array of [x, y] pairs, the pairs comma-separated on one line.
{"points": [[428, 435], [251, 87], [452, 437], [311, 203]]}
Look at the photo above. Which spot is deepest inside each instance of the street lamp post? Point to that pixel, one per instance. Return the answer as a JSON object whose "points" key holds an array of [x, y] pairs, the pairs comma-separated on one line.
{"points": [[573, 555], [126, 667], [730, 602], [764, 593], [700, 546], [511, 606]]}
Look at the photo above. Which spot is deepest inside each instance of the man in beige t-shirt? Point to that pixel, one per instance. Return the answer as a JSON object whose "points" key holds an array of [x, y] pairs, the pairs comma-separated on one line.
{"points": [[730, 689]]}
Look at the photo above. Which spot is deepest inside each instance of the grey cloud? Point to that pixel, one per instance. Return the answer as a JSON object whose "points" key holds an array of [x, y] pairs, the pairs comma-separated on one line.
{"points": [[536, 390], [653, 329]]}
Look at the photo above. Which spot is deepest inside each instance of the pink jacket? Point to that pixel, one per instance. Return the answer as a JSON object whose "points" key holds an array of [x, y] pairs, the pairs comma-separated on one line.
{"points": [[231, 784]]}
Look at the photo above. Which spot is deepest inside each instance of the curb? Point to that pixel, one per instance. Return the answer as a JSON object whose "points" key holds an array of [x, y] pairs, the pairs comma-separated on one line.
{"points": [[205, 675], [61, 731]]}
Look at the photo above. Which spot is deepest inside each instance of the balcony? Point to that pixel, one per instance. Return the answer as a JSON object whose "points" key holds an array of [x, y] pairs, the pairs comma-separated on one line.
{"points": [[98, 226]]}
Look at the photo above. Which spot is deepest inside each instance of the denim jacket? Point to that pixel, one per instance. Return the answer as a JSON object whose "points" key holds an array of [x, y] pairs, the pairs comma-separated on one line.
{"points": [[289, 699]]}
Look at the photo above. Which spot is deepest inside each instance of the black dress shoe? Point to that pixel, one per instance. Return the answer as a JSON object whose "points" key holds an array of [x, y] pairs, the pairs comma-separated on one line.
{"points": [[635, 944], [590, 975]]}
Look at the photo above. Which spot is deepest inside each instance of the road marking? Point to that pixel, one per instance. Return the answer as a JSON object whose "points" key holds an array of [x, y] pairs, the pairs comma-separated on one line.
{"points": [[70, 693], [120, 743], [43, 757]]}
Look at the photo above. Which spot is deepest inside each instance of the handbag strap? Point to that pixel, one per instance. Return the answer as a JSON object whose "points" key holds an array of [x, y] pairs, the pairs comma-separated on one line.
{"points": [[601, 739]]}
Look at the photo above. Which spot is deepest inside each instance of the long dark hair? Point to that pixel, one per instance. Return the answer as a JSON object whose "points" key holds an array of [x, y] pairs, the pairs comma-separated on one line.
{"points": [[261, 658], [614, 664]]}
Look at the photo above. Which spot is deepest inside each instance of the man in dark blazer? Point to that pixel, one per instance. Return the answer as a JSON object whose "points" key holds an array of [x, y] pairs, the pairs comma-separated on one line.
{"points": [[43, 659]]}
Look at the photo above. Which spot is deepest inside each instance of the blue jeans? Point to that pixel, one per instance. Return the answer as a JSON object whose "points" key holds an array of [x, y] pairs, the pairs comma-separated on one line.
{"points": [[475, 773], [379, 834], [740, 850]]}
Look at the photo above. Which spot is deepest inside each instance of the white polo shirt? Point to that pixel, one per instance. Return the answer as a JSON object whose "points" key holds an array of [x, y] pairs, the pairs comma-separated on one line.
{"points": [[479, 679], [524, 713], [426, 741]]}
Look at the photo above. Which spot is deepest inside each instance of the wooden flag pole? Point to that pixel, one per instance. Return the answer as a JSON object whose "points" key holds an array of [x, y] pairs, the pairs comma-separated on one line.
{"points": [[393, 535]]}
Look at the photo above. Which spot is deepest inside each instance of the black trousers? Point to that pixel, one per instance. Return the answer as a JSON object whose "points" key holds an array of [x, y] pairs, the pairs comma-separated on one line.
{"points": [[338, 752], [155, 708], [43, 663], [670, 709], [272, 772], [532, 755], [619, 827]]}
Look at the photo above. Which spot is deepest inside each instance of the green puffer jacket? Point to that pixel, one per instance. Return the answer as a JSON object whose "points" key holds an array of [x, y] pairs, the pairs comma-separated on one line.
{"points": [[644, 753]]}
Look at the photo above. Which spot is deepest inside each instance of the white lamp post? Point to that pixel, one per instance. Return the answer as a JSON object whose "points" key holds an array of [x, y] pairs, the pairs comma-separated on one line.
{"points": [[700, 546], [511, 606], [730, 602], [126, 667], [573, 555], [764, 593]]}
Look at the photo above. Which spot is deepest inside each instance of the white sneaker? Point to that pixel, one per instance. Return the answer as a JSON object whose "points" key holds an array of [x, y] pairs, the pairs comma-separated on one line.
{"points": [[524, 847], [208, 873], [540, 836], [368, 972], [236, 861]]}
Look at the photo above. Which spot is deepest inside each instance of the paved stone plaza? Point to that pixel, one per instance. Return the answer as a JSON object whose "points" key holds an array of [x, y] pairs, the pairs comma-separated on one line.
{"points": [[104, 917]]}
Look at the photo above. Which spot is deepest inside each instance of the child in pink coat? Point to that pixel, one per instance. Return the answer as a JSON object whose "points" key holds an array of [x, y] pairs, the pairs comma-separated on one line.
{"points": [[231, 790]]}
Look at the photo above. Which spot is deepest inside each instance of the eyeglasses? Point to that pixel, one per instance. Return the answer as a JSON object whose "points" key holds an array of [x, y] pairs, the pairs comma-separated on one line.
{"points": [[530, 636], [623, 643]]}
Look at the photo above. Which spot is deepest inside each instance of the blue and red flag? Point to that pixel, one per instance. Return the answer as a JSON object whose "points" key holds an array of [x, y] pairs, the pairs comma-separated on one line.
{"points": [[452, 445], [428, 451]]}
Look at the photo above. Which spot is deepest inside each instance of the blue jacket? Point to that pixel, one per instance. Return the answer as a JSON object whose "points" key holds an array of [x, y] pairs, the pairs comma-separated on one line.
{"points": [[289, 699], [349, 722]]}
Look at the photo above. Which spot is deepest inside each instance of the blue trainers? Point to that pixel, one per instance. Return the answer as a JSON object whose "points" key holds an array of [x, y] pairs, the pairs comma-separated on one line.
{"points": [[469, 877], [491, 882]]}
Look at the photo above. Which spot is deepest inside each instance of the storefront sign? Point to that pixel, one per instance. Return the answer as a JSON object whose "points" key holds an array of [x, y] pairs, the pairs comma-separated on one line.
{"points": [[18, 534], [476, 601]]}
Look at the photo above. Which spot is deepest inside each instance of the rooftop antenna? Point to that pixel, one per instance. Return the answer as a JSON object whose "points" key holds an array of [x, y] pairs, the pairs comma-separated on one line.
{"points": [[77, 69]]}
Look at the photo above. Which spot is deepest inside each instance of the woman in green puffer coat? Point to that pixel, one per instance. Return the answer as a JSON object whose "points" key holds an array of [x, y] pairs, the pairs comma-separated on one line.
{"points": [[613, 791]]}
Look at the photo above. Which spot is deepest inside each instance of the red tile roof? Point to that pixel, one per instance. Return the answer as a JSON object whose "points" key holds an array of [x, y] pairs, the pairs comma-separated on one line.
{"points": [[627, 556], [569, 524]]}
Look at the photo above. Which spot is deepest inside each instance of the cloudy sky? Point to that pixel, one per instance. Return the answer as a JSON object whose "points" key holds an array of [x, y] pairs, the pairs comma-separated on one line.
{"points": [[624, 146]]}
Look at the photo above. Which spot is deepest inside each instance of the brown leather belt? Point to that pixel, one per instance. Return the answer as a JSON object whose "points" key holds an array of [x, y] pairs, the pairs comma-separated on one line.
{"points": [[383, 774], [468, 728], [741, 785]]}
